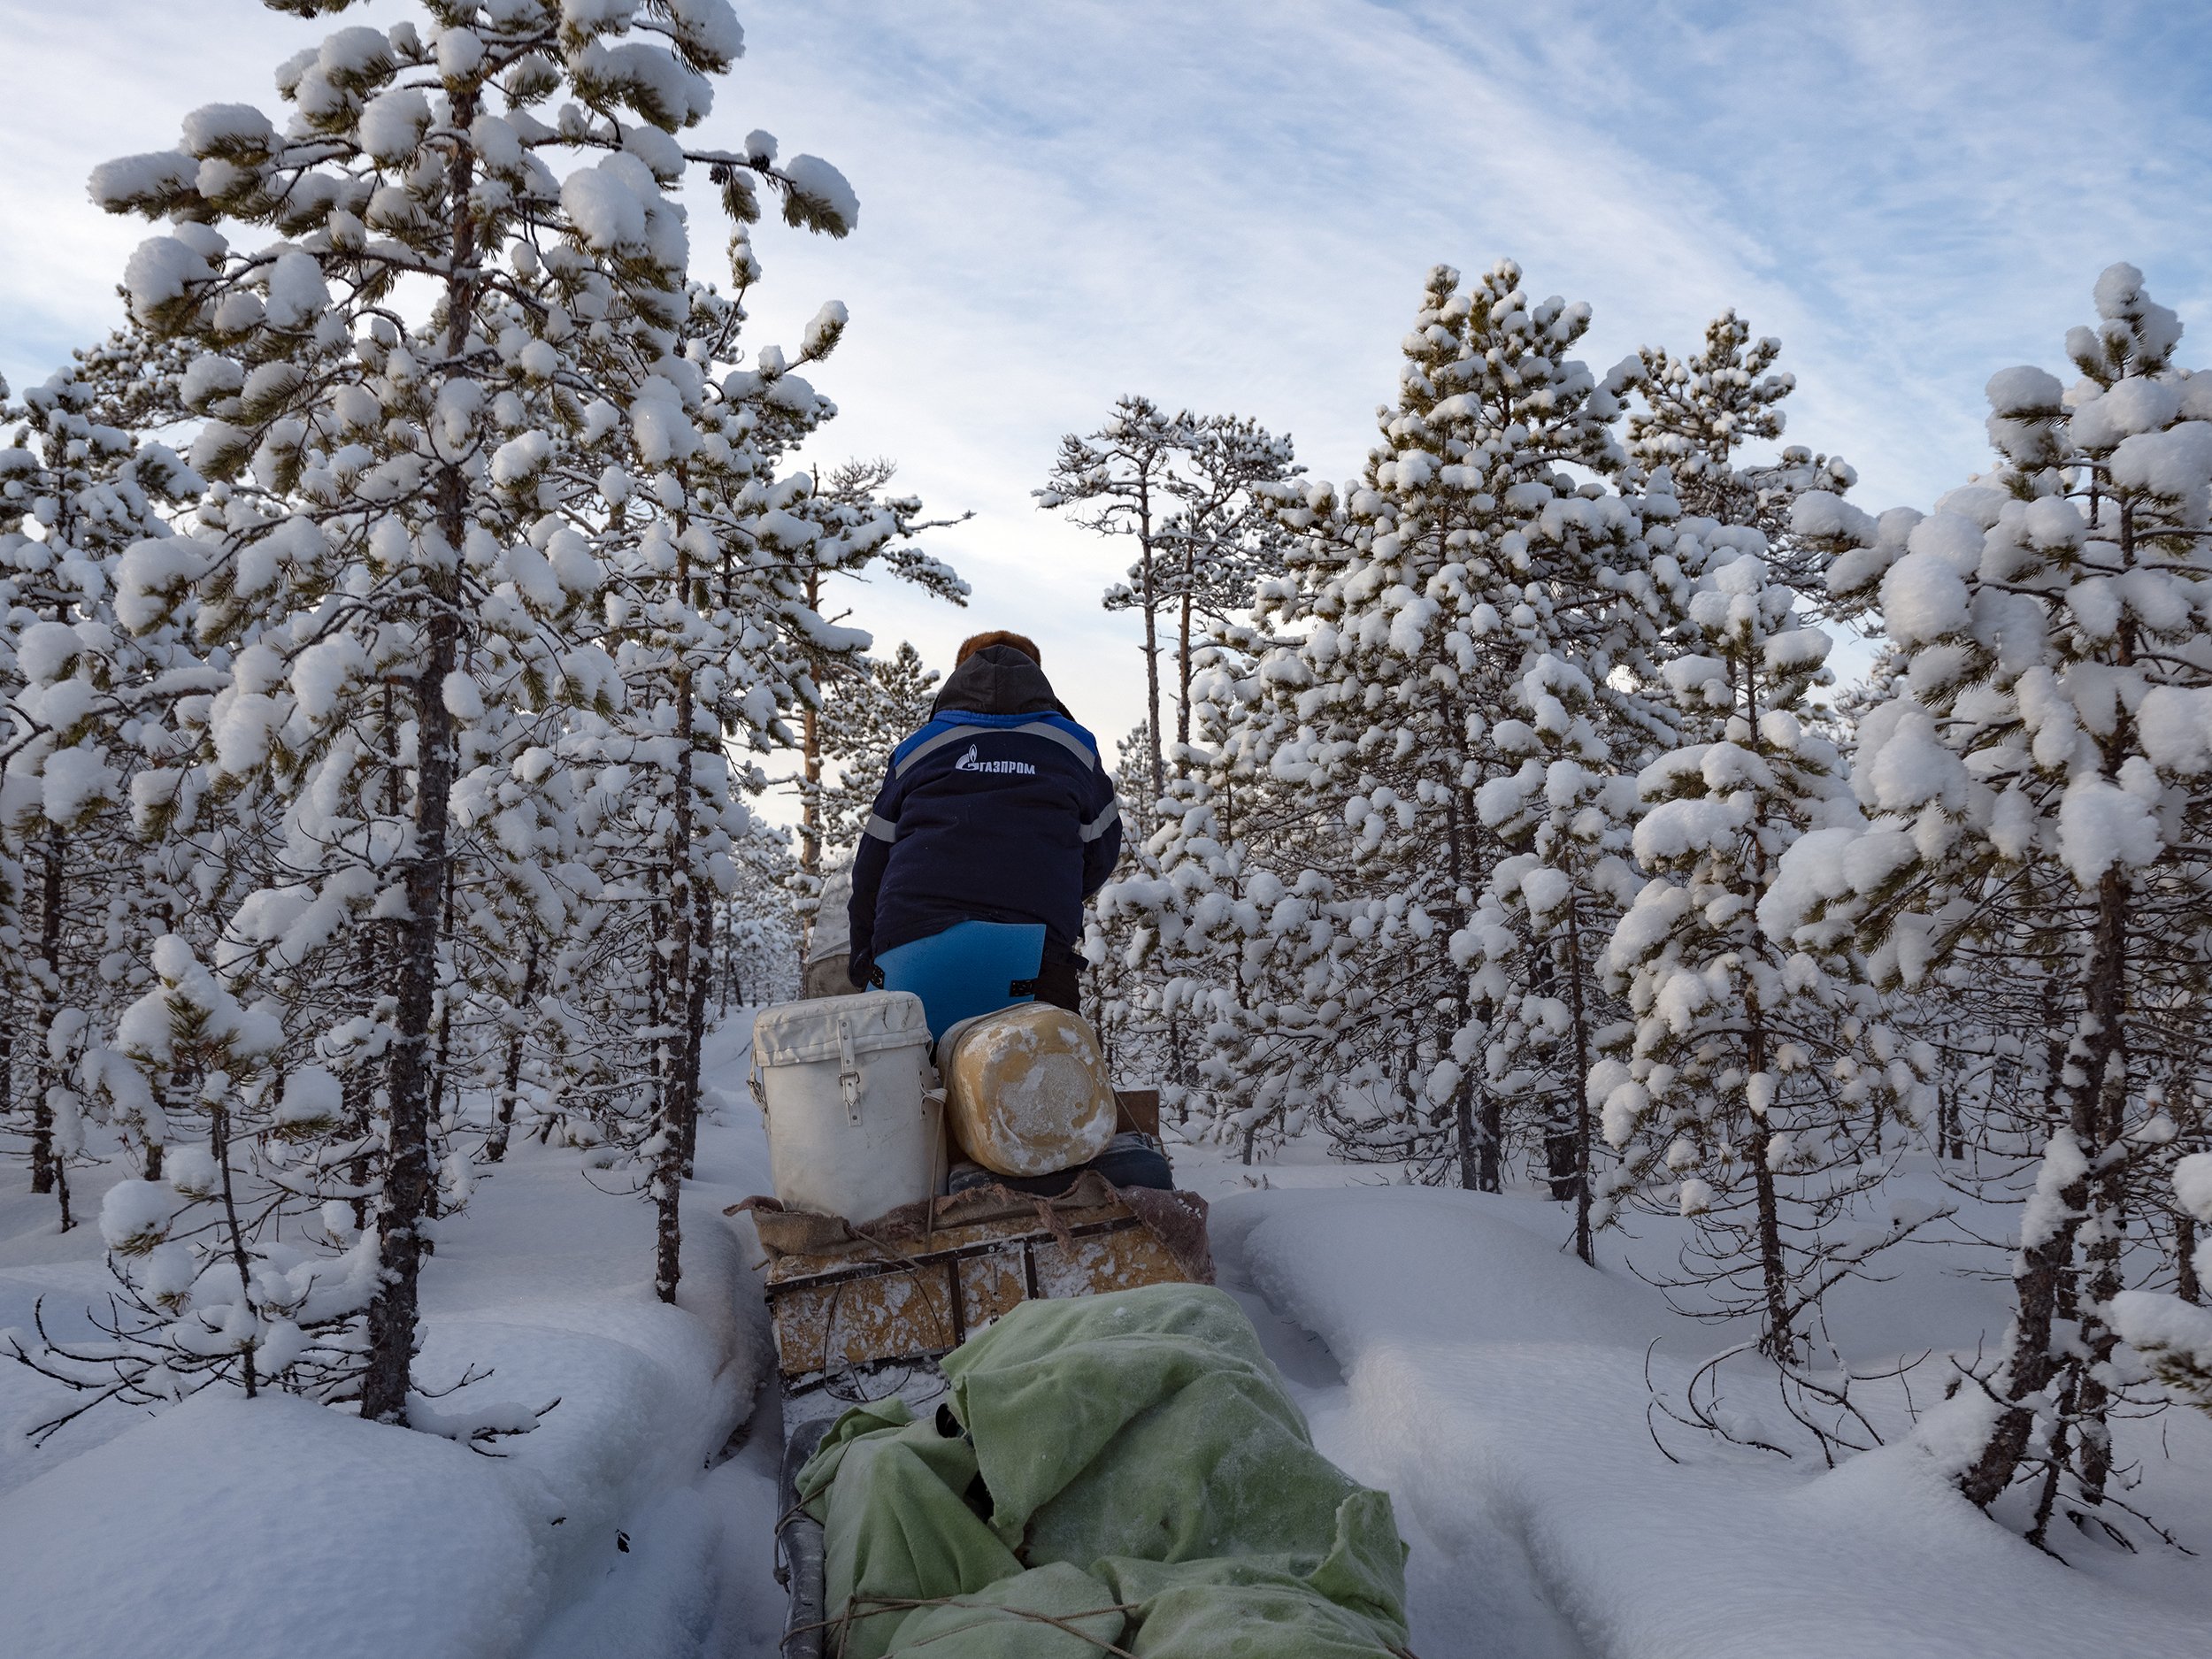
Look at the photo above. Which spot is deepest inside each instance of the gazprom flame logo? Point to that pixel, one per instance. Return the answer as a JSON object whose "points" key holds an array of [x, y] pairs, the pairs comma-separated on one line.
{"points": [[969, 763]]}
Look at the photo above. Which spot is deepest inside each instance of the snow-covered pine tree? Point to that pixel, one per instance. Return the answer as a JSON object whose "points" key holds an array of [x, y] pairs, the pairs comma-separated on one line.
{"points": [[838, 523], [856, 523], [204, 1294], [2036, 787], [1695, 412], [1225, 539], [1119, 481], [77, 687], [1154, 983], [1564, 814], [1754, 1096], [856, 493], [867, 711], [2173, 1331], [1198, 495], [398, 488], [756, 934], [1208, 532], [1343, 913], [714, 647]]}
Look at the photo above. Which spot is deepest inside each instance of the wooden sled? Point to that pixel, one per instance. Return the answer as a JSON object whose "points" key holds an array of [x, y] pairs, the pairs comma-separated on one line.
{"points": [[866, 1316]]}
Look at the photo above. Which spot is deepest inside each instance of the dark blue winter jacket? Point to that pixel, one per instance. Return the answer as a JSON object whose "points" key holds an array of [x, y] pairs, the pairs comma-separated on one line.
{"points": [[997, 811]]}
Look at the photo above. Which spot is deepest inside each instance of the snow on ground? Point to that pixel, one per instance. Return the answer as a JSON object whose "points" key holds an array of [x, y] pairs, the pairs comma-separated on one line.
{"points": [[1443, 1344], [239, 1529], [1448, 1349]]}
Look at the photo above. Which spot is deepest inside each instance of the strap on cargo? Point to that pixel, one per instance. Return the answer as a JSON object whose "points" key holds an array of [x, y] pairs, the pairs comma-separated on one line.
{"points": [[847, 1070]]}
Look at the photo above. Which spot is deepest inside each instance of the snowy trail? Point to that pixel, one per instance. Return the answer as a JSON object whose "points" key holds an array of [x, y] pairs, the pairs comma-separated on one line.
{"points": [[1470, 1588], [697, 1580], [1496, 1388]]}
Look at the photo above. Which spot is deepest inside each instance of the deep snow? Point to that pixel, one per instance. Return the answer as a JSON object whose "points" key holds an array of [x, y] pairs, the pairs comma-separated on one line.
{"points": [[1496, 1388], [1443, 1344], [239, 1529]]}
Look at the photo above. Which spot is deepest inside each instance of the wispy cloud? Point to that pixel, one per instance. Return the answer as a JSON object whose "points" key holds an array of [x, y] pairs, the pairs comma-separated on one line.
{"points": [[1232, 205]]}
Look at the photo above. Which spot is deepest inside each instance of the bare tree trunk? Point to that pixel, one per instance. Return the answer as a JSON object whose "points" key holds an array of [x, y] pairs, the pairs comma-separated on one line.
{"points": [[1182, 659], [1147, 565], [1463, 1125], [1560, 1162], [377, 942], [1581, 1027], [810, 759], [441, 1072], [150, 1165], [1469, 1137], [696, 1015], [407, 1173], [1106, 1027], [405, 1198], [678, 1098], [1490, 1115], [2102, 1260], [511, 1074], [2054, 1465], [233, 1233], [359, 1087], [45, 1166], [1780, 1341], [2040, 1277]]}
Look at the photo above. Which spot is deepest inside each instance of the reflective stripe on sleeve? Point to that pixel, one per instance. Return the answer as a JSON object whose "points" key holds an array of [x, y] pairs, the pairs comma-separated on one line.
{"points": [[882, 830], [1104, 822]]}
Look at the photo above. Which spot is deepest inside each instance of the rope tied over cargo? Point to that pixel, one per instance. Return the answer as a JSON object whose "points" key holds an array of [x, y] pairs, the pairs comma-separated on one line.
{"points": [[889, 1255]]}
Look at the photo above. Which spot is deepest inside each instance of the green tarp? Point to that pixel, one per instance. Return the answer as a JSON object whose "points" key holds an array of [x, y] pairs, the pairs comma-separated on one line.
{"points": [[1122, 1469]]}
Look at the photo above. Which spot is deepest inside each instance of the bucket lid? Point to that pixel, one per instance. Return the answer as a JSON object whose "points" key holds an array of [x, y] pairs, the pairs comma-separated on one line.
{"points": [[801, 1033]]}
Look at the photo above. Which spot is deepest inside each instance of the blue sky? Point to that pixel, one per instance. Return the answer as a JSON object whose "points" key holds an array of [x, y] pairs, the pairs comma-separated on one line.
{"points": [[1230, 205]]}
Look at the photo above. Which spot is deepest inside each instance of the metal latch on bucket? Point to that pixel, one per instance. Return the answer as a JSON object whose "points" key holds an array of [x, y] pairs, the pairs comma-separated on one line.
{"points": [[848, 1071]]}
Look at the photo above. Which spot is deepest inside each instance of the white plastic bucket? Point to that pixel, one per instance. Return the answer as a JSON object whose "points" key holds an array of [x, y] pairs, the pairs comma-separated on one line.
{"points": [[839, 1081]]}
